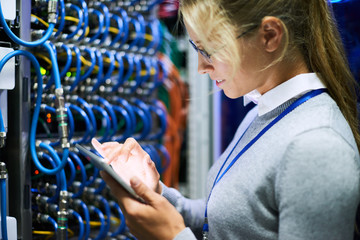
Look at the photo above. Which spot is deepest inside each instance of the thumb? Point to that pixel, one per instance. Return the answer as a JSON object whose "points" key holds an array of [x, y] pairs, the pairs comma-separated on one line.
{"points": [[98, 146], [143, 191]]}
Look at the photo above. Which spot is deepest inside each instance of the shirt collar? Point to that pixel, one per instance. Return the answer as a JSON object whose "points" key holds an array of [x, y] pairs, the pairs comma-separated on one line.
{"points": [[289, 89]]}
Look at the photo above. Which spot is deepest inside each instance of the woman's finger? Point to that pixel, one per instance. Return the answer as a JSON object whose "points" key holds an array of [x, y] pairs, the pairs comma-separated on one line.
{"points": [[98, 146]]}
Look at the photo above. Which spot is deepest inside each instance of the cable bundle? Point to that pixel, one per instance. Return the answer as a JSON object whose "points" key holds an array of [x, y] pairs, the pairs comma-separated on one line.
{"points": [[97, 73]]}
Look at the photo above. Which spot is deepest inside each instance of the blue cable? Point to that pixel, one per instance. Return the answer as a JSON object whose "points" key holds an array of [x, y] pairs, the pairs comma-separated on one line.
{"points": [[72, 172], [102, 221], [80, 17], [109, 108], [128, 123], [147, 63], [130, 69], [111, 68], [36, 111], [52, 222], [99, 75], [93, 63], [137, 79], [133, 2], [78, 161], [87, 123], [158, 80], [129, 109], [107, 213], [58, 177], [86, 18], [166, 156], [93, 177], [2, 126], [86, 217], [148, 119], [66, 67], [71, 122], [57, 160], [141, 20], [21, 42], [78, 68], [3, 209], [81, 223], [101, 23], [142, 135], [101, 186], [138, 33], [119, 59], [51, 80], [101, 79], [122, 224], [155, 77], [161, 113], [62, 18], [34, 190], [91, 115], [161, 33], [107, 123], [120, 26], [156, 34], [55, 68], [125, 34], [154, 157], [68, 59], [106, 13]]}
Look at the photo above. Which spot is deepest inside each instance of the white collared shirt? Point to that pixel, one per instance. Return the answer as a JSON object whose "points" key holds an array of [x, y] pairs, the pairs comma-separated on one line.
{"points": [[292, 88]]}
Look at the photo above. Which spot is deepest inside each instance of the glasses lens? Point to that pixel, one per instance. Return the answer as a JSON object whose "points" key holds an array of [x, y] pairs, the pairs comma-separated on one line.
{"points": [[202, 52], [193, 45], [205, 55]]}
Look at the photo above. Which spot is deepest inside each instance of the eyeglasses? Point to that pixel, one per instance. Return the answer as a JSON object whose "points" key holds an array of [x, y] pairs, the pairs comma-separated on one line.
{"points": [[206, 55]]}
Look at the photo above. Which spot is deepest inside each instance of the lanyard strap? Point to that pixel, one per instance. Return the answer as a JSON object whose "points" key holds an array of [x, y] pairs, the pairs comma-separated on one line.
{"points": [[294, 105]]}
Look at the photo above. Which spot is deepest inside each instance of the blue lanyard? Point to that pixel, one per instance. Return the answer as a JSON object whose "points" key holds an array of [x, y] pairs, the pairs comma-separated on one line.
{"points": [[294, 105]]}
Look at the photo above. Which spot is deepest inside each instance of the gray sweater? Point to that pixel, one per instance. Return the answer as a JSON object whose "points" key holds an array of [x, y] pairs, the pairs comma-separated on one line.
{"points": [[300, 180]]}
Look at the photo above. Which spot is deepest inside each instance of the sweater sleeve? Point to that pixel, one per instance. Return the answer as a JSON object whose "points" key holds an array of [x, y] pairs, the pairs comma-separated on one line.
{"points": [[191, 210], [317, 187]]}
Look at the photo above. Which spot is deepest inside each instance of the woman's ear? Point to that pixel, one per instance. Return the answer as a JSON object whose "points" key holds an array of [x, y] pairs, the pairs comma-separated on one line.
{"points": [[271, 32]]}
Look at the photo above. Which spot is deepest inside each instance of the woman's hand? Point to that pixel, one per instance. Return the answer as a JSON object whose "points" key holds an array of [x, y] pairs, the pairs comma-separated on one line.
{"points": [[155, 220], [130, 160]]}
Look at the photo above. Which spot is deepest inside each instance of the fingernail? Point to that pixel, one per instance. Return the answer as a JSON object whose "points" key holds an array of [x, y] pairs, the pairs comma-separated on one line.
{"points": [[135, 182]]}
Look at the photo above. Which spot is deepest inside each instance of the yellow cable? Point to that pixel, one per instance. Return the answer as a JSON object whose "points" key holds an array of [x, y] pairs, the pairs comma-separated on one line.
{"points": [[51, 233], [68, 18], [42, 21], [107, 60], [43, 232], [113, 30], [144, 72], [72, 19], [83, 61], [46, 59], [148, 37], [116, 220], [87, 31]]}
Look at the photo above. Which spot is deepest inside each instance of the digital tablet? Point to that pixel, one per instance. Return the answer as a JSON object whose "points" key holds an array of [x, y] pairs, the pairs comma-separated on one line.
{"points": [[102, 165]]}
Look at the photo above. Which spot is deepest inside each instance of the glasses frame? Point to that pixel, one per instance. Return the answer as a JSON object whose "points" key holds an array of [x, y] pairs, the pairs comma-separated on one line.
{"points": [[206, 55]]}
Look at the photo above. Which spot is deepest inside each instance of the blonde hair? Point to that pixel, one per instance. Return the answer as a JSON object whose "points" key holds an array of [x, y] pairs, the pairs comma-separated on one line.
{"points": [[309, 29]]}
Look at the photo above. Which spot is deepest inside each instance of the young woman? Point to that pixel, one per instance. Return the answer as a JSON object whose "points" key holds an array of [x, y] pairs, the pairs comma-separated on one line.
{"points": [[293, 173]]}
